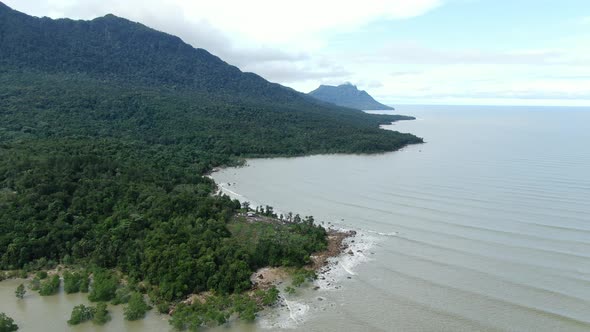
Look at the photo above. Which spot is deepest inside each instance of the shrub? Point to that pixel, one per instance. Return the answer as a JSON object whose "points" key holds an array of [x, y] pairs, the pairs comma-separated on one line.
{"points": [[104, 286], [81, 314], [7, 324], [20, 291], [49, 286], [136, 307], [101, 314]]}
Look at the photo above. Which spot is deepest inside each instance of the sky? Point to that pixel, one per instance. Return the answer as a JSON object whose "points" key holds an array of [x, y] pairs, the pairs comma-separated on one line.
{"points": [[478, 52]]}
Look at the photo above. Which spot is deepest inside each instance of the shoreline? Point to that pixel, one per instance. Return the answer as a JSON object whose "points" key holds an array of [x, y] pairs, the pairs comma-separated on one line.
{"points": [[267, 277], [321, 262]]}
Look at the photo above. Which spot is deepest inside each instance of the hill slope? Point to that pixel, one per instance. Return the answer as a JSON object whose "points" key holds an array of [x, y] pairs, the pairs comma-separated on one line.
{"points": [[347, 95], [110, 47]]}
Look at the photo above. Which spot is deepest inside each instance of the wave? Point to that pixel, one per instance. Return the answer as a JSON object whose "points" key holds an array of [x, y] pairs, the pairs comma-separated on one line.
{"points": [[344, 266], [384, 233], [288, 315], [506, 304]]}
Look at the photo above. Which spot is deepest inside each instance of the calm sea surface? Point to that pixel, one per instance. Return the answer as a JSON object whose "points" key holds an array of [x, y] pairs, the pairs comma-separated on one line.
{"points": [[485, 227]]}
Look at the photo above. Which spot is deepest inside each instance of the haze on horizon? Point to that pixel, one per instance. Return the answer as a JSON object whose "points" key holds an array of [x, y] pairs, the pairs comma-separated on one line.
{"points": [[402, 51]]}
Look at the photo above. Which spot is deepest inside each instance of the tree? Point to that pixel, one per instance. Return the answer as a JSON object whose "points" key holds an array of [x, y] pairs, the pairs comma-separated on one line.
{"points": [[73, 281], [50, 286], [7, 324], [20, 291], [104, 286], [80, 314], [84, 283], [271, 296], [35, 284], [122, 295], [136, 308], [101, 314]]}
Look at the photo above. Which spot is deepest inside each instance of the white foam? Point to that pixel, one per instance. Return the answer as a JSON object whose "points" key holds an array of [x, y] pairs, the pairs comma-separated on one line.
{"points": [[384, 233], [345, 265], [232, 193], [297, 310], [288, 316], [253, 204]]}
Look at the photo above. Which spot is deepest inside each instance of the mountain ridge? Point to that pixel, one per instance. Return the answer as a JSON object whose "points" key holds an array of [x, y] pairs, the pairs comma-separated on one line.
{"points": [[112, 37], [111, 60]]}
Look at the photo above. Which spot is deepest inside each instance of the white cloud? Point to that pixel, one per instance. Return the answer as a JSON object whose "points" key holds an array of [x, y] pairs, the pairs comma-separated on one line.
{"points": [[254, 21], [280, 71], [278, 21], [269, 37], [403, 52], [484, 83]]}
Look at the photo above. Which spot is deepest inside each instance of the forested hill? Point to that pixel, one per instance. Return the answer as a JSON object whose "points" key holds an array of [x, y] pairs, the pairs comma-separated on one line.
{"points": [[114, 48], [347, 95], [112, 77], [106, 130]]}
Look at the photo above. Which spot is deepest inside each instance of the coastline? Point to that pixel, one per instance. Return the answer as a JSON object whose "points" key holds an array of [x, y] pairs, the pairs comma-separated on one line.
{"points": [[322, 262], [346, 249]]}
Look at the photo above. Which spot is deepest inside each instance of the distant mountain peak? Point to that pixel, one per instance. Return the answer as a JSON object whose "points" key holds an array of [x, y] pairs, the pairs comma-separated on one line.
{"points": [[348, 95]]}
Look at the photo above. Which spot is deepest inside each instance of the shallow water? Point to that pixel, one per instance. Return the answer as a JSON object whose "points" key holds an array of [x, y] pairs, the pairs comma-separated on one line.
{"points": [[485, 227], [51, 313]]}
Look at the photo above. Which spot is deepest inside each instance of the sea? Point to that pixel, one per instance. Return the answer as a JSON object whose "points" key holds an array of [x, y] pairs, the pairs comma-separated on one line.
{"points": [[484, 227]]}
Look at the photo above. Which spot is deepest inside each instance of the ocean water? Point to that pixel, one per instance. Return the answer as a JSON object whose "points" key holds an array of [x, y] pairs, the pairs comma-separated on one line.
{"points": [[485, 227]]}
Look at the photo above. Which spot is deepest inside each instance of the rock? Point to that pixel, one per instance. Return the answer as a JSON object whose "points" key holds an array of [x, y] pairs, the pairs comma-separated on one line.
{"points": [[316, 288], [349, 277], [350, 252], [260, 276]]}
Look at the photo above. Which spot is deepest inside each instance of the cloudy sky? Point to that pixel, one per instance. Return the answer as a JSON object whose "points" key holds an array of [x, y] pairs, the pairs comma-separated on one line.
{"points": [[522, 52]]}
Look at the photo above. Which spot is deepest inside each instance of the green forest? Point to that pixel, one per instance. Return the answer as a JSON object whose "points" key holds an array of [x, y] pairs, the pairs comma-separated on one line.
{"points": [[107, 130]]}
